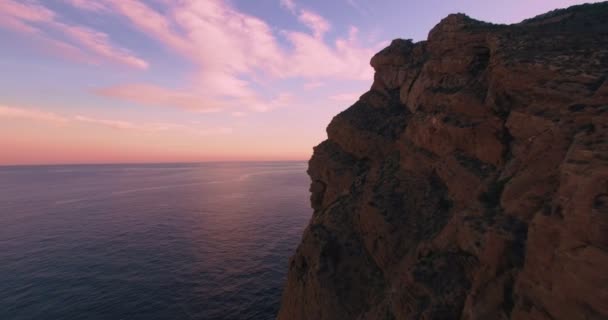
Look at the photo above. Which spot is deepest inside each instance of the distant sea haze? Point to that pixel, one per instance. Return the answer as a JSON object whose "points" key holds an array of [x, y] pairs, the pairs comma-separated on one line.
{"points": [[158, 241]]}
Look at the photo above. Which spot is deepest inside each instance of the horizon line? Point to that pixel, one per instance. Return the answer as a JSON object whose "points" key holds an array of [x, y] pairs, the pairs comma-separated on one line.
{"points": [[145, 163]]}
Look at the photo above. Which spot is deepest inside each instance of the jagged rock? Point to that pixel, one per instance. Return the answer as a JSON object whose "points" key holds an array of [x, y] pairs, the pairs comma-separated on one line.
{"points": [[470, 182]]}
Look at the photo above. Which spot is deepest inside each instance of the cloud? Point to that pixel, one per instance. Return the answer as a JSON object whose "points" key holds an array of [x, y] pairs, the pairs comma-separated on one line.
{"points": [[239, 59], [116, 124], [313, 85], [77, 42], [190, 100], [29, 11], [28, 114], [357, 6], [315, 22], [213, 131], [290, 5], [234, 53], [17, 16], [279, 101], [89, 5], [345, 97], [11, 112], [238, 114], [152, 95], [154, 127], [312, 59], [99, 44]]}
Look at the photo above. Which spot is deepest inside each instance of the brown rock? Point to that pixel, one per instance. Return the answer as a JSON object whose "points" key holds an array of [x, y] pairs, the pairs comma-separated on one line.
{"points": [[470, 182]]}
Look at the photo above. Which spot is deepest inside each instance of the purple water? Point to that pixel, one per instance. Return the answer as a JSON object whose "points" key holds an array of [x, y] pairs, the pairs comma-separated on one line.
{"points": [[178, 241]]}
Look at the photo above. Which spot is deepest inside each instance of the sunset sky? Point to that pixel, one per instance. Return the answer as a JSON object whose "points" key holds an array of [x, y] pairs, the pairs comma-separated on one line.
{"points": [[102, 81]]}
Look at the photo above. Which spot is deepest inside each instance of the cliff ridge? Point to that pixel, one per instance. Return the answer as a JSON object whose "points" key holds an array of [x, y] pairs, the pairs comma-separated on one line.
{"points": [[470, 182]]}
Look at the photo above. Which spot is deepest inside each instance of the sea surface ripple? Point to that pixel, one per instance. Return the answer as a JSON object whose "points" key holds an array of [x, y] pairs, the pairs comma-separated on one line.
{"points": [[157, 241]]}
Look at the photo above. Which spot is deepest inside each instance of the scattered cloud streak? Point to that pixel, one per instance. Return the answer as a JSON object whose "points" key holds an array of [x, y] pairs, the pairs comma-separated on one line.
{"points": [[239, 59], [345, 97], [88, 5], [313, 85], [357, 6], [290, 5], [153, 95], [12, 113], [238, 114], [116, 124], [36, 115], [153, 127], [73, 41], [317, 24], [234, 52]]}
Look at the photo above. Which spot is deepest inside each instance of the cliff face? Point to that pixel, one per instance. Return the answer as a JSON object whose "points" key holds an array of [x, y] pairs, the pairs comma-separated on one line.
{"points": [[470, 182]]}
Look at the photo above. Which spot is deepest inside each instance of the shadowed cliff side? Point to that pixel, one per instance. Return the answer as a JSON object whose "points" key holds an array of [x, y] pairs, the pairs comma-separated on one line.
{"points": [[470, 182]]}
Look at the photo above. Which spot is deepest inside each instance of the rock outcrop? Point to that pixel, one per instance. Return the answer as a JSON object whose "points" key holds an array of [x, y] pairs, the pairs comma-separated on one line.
{"points": [[470, 182]]}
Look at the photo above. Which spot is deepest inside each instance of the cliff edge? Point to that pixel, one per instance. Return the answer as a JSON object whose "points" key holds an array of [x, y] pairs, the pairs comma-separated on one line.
{"points": [[470, 182]]}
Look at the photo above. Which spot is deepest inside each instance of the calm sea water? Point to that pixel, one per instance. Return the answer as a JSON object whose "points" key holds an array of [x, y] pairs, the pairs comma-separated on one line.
{"points": [[180, 241]]}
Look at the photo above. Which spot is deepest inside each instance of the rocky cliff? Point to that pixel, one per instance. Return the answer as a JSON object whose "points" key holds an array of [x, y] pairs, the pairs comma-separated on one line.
{"points": [[470, 182]]}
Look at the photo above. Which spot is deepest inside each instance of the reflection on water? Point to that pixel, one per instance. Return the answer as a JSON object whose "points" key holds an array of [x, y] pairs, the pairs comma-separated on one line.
{"points": [[190, 241]]}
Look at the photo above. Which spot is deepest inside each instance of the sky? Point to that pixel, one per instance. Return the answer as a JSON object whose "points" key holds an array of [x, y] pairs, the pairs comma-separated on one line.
{"points": [[125, 81]]}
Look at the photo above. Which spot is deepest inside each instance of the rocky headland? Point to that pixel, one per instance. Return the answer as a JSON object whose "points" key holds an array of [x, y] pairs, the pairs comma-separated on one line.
{"points": [[469, 182]]}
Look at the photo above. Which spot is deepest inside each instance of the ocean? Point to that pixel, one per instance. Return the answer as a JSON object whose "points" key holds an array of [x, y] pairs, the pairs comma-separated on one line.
{"points": [[153, 241]]}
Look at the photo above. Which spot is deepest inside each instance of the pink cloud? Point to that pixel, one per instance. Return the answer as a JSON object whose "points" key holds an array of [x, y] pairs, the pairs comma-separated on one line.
{"points": [[12, 113], [99, 44], [18, 16], [313, 59], [89, 5], [26, 11], [345, 97], [315, 22], [17, 25], [191, 100], [213, 131], [28, 114], [117, 124], [238, 114], [32, 18], [357, 7], [279, 101], [223, 43], [222, 40], [158, 96], [290, 5], [313, 85], [231, 48], [150, 22], [67, 50], [235, 53], [154, 127]]}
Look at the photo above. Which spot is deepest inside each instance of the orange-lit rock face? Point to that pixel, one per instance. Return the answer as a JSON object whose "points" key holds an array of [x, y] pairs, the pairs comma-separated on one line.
{"points": [[470, 182]]}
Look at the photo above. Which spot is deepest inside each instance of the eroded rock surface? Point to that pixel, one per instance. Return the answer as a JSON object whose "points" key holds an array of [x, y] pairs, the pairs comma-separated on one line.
{"points": [[470, 182]]}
